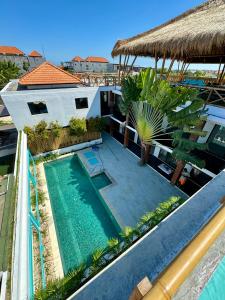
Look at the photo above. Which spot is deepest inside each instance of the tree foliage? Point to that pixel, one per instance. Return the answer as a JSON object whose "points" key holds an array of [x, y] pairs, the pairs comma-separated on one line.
{"points": [[183, 109], [78, 126], [130, 92], [8, 70]]}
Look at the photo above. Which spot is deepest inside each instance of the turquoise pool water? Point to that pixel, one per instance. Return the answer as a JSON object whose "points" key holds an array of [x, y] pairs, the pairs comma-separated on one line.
{"points": [[214, 289], [83, 222], [101, 181]]}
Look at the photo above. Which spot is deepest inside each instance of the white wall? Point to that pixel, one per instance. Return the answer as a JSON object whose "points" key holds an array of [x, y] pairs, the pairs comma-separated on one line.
{"points": [[60, 104]]}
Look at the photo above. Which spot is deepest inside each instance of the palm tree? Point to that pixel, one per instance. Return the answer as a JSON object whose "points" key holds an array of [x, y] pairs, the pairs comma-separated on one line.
{"points": [[185, 121], [148, 123], [130, 92]]}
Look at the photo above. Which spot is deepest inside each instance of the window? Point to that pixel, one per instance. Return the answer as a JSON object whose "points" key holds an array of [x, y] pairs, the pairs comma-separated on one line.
{"points": [[37, 107], [216, 141], [81, 103]]}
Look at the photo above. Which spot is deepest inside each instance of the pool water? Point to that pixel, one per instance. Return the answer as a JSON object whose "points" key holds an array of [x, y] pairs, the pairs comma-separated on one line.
{"points": [[93, 161], [101, 180], [214, 289], [82, 221]]}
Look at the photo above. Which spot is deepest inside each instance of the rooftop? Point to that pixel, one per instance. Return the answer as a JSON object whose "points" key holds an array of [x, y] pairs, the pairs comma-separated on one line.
{"points": [[34, 53], [47, 73], [197, 32], [78, 59], [11, 50], [96, 59]]}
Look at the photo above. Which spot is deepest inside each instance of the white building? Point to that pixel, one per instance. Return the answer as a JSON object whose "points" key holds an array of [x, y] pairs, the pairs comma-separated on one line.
{"points": [[90, 64], [51, 94]]}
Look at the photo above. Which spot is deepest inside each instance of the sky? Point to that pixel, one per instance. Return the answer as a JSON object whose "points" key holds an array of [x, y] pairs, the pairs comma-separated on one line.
{"points": [[62, 29]]}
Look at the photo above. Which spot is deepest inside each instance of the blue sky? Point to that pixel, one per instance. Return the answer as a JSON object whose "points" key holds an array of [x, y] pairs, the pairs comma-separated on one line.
{"points": [[66, 28]]}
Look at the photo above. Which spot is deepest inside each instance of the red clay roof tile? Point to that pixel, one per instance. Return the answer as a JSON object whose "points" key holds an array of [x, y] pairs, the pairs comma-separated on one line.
{"points": [[96, 59], [34, 53], [47, 73], [77, 59], [10, 50]]}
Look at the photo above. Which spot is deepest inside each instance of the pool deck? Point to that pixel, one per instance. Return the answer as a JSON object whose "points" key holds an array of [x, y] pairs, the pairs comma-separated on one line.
{"points": [[135, 189]]}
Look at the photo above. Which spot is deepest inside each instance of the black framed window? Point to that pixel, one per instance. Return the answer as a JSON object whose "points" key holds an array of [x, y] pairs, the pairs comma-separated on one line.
{"points": [[81, 103], [37, 107], [216, 141]]}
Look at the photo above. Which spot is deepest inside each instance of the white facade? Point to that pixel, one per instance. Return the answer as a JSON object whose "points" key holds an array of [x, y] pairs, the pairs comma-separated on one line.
{"points": [[86, 66], [60, 104]]}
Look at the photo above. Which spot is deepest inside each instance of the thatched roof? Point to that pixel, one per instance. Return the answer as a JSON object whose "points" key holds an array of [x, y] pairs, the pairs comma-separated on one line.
{"points": [[197, 33]]}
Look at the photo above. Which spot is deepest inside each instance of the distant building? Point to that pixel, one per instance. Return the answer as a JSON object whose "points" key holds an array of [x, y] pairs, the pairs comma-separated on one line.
{"points": [[23, 61], [90, 64]]}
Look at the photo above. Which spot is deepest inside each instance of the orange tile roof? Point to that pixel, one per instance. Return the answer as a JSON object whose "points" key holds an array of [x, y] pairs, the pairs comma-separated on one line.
{"points": [[10, 50], [34, 53], [78, 59], [96, 59], [47, 73]]}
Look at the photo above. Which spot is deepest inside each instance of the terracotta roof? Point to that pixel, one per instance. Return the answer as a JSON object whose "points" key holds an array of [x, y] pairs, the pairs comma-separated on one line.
{"points": [[10, 50], [47, 73], [34, 53], [78, 59], [96, 59]]}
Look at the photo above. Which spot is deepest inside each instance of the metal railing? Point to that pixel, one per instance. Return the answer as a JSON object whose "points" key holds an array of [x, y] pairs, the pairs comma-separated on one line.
{"points": [[34, 223]]}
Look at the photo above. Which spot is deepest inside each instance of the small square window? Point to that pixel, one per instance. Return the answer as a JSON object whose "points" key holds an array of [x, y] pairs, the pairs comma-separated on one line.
{"points": [[37, 107], [81, 103]]}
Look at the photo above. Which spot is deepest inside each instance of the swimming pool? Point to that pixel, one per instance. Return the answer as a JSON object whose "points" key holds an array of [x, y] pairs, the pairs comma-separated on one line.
{"points": [[83, 222], [214, 289]]}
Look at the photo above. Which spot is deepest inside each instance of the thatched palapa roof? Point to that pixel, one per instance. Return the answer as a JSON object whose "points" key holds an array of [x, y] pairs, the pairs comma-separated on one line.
{"points": [[197, 35]]}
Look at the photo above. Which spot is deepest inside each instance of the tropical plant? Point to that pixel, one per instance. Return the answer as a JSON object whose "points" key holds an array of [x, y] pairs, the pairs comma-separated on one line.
{"points": [[148, 123], [61, 288], [95, 124], [97, 260], [77, 126], [189, 122], [55, 129], [185, 121], [114, 245], [26, 66], [8, 70], [147, 218], [130, 92], [127, 234]]}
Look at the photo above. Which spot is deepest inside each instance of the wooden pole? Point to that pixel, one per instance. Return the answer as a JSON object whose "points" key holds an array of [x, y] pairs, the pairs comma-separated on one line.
{"points": [[119, 67], [218, 73], [163, 64], [156, 61], [124, 62], [222, 74], [132, 64], [170, 67]]}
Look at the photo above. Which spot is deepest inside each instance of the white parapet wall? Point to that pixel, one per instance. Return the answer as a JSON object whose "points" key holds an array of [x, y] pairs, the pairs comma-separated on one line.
{"points": [[20, 266], [72, 148]]}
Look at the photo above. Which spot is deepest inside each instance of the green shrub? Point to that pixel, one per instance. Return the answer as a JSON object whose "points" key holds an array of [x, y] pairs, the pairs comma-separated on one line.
{"points": [[30, 133], [55, 129], [45, 158], [78, 126], [95, 124]]}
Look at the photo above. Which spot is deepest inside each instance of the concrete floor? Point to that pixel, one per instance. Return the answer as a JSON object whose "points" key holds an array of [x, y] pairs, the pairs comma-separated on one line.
{"points": [[136, 190]]}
